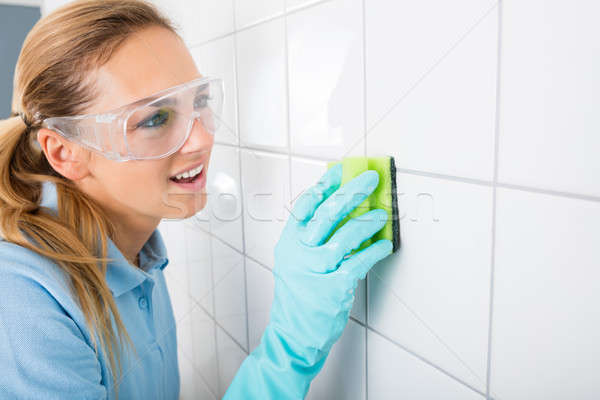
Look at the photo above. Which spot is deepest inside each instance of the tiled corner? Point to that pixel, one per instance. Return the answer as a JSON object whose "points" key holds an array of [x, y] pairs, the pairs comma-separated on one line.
{"points": [[251, 12], [326, 79], [549, 96], [431, 100], [217, 59], [231, 357], [344, 374], [225, 196], [262, 85], [432, 296], [261, 288], [545, 321], [394, 373], [199, 267], [306, 173], [266, 187], [230, 291], [204, 349]]}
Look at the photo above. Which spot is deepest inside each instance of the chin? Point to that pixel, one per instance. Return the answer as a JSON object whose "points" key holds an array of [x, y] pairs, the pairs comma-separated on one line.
{"points": [[182, 208]]}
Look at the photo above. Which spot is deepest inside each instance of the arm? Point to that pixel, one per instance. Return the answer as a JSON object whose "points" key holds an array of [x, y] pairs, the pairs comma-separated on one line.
{"points": [[42, 351], [314, 287]]}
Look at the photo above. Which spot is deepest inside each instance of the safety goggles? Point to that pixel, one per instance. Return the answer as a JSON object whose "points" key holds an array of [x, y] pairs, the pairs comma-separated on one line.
{"points": [[150, 128]]}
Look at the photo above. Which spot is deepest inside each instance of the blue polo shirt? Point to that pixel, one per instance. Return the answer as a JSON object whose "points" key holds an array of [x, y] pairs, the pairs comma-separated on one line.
{"points": [[45, 346]]}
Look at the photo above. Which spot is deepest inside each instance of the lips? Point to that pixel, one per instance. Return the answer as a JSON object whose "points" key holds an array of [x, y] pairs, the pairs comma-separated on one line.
{"points": [[188, 173]]}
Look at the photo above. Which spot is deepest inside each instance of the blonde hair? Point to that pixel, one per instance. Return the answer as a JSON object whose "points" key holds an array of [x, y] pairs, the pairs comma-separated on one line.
{"points": [[52, 78]]}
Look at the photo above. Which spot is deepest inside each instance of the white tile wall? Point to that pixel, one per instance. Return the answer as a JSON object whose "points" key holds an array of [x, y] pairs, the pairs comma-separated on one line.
{"points": [[225, 195], [546, 319], [431, 78], [266, 190], [262, 85], [433, 295], [229, 289], [326, 79], [493, 293], [550, 90], [250, 12]]}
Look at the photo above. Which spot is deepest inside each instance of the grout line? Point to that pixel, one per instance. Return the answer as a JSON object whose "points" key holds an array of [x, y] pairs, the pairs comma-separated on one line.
{"points": [[287, 102], [366, 281], [550, 192], [423, 359], [198, 372], [239, 137], [283, 14], [217, 324], [437, 175], [213, 315], [494, 202]]}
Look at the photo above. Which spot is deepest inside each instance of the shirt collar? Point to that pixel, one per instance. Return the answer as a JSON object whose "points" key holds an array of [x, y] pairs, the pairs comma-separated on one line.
{"points": [[121, 276]]}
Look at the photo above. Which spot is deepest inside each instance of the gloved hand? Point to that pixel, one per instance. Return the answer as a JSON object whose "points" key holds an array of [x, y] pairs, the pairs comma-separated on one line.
{"points": [[314, 287]]}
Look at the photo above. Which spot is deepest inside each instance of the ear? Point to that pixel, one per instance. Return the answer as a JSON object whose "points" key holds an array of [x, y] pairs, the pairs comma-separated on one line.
{"points": [[67, 158]]}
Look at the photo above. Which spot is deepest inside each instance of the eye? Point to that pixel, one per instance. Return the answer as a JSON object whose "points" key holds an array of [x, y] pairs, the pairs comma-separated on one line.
{"points": [[201, 101], [161, 117]]}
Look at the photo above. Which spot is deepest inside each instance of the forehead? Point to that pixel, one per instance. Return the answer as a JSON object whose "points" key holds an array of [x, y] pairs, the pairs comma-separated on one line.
{"points": [[148, 61]]}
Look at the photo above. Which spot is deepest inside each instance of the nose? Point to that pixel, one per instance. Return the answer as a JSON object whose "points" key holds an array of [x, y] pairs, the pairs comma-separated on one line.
{"points": [[199, 139]]}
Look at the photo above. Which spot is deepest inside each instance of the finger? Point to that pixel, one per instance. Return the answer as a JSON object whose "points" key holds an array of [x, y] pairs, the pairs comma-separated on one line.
{"points": [[310, 199], [337, 206], [357, 266], [355, 231]]}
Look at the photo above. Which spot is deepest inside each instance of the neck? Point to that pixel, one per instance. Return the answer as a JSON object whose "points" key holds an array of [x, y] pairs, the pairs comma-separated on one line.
{"points": [[130, 238], [132, 230]]}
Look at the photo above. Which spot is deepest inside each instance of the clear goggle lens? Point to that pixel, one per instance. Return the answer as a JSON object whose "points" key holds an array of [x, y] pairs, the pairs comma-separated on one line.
{"points": [[162, 126]]}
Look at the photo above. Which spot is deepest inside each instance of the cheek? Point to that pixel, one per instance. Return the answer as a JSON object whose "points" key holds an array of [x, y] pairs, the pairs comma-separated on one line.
{"points": [[138, 188]]}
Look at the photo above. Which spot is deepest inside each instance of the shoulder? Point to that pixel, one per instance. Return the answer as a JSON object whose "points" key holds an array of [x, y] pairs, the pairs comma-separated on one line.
{"points": [[45, 353], [29, 280], [20, 263]]}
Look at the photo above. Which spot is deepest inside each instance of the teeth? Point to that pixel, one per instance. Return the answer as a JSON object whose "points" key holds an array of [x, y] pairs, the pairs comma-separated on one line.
{"points": [[190, 173]]}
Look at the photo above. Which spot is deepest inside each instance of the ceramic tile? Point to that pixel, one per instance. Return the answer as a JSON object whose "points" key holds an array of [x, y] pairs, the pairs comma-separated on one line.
{"points": [[204, 348], [200, 20], [231, 357], [431, 102], [224, 195], [230, 291], [344, 374], [545, 320], [549, 92], [432, 296], [249, 12], [199, 268], [306, 173], [265, 180], [217, 59], [326, 79], [261, 286], [393, 373], [192, 387], [262, 85]]}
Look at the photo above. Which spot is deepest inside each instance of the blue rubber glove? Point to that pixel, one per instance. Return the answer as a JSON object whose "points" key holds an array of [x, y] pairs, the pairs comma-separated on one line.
{"points": [[314, 287]]}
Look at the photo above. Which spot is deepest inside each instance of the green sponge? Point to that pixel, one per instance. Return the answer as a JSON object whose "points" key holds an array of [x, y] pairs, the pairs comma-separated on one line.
{"points": [[384, 195]]}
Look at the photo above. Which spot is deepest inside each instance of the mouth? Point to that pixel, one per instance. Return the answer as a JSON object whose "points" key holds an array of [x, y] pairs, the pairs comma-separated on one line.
{"points": [[189, 175]]}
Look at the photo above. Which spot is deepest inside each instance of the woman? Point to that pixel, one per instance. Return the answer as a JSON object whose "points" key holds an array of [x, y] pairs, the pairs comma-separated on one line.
{"points": [[112, 131]]}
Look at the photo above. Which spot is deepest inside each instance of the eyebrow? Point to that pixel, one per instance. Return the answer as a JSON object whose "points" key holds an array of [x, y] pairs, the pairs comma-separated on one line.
{"points": [[173, 101]]}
